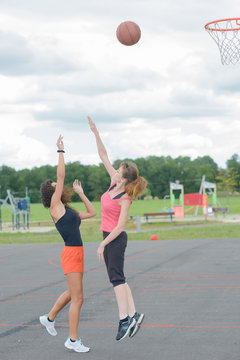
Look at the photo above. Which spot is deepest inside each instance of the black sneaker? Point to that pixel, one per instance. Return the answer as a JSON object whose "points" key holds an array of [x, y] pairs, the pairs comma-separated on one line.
{"points": [[138, 319], [125, 327]]}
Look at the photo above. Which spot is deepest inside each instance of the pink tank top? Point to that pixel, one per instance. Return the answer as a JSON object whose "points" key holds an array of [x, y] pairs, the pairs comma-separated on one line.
{"points": [[110, 210]]}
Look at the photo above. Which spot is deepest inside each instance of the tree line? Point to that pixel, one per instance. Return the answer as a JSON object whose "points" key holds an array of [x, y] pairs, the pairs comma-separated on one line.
{"points": [[158, 171]]}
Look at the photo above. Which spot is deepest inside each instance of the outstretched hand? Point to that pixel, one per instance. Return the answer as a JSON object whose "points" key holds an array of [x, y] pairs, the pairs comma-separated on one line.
{"points": [[60, 143], [77, 186], [92, 125]]}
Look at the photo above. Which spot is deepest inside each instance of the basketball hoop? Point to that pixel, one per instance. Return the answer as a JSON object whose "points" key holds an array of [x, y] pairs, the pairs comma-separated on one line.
{"points": [[226, 34]]}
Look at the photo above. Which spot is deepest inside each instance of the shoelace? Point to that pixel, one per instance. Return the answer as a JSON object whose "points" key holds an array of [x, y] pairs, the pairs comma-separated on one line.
{"points": [[80, 341]]}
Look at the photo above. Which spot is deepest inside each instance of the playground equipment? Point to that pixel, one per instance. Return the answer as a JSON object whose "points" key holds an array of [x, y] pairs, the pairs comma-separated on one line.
{"points": [[200, 199], [196, 200], [164, 200], [176, 186], [209, 186], [19, 208], [177, 209]]}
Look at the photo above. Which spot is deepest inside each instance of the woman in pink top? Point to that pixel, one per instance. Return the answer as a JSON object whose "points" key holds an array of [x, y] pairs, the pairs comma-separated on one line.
{"points": [[115, 202]]}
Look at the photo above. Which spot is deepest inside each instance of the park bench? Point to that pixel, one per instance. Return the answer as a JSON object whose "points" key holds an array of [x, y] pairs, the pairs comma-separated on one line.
{"points": [[162, 213], [220, 210]]}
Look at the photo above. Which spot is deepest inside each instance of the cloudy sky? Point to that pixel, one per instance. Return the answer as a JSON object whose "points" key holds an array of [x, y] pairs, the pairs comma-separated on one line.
{"points": [[167, 95]]}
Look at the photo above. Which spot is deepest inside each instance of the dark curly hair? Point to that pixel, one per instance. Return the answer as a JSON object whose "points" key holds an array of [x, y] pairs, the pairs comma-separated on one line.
{"points": [[47, 191]]}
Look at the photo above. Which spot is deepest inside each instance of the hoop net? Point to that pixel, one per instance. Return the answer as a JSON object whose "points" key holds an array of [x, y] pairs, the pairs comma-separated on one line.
{"points": [[226, 34]]}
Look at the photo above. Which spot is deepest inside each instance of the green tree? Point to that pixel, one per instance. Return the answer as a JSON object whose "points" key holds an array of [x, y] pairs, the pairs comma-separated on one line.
{"points": [[227, 180], [234, 163]]}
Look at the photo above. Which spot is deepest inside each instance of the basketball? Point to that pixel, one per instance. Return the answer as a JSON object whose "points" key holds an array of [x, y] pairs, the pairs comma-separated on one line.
{"points": [[128, 33]]}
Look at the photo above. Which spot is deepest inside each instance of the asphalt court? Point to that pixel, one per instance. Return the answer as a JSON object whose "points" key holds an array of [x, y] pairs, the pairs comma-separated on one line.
{"points": [[188, 289]]}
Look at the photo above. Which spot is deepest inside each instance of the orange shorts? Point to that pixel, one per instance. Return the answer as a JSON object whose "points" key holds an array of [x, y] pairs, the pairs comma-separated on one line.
{"points": [[72, 259]]}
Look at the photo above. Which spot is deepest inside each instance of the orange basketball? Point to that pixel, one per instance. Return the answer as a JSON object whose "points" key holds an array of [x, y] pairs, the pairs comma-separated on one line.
{"points": [[128, 33]]}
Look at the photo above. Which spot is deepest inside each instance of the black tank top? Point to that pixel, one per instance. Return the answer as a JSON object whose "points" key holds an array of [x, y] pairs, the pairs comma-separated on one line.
{"points": [[68, 228], [119, 195]]}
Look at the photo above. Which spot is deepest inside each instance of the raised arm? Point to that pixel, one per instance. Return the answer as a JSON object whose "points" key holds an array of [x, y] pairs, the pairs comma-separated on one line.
{"points": [[101, 149], [90, 210], [60, 174]]}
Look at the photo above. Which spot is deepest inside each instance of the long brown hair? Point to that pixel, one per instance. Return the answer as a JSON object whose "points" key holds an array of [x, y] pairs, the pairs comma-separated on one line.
{"points": [[135, 185], [47, 191]]}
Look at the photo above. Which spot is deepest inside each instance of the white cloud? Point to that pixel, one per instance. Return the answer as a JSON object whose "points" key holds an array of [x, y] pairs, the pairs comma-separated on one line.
{"points": [[167, 95]]}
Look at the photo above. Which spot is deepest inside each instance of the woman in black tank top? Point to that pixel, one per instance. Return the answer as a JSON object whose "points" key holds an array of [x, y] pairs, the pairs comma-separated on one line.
{"points": [[67, 221]]}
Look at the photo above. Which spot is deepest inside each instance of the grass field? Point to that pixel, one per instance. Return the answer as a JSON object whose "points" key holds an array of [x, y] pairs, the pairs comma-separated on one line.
{"points": [[139, 207], [91, 232], [90, 229]]}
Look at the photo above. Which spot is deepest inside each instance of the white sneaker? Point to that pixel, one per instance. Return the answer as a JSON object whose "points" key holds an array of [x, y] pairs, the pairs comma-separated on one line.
{"points": [[49, 325], [76, 345]]}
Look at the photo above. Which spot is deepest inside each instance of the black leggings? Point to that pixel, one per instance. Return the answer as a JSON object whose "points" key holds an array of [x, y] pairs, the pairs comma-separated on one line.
{"points": [[114, 258]]}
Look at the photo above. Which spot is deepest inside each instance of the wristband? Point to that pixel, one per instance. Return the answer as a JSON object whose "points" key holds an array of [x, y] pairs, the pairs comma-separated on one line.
{"points": [[61, 151]]}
